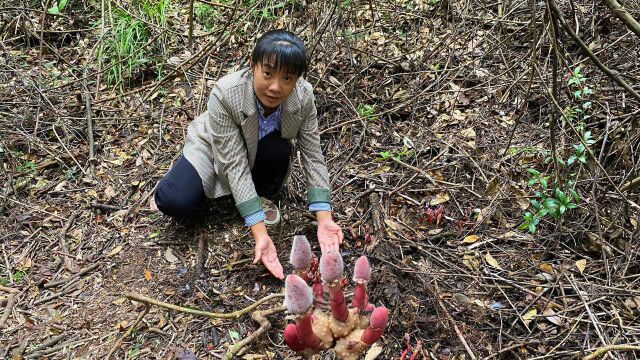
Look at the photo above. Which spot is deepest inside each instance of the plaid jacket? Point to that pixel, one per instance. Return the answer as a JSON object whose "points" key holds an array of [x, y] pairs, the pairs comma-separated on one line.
{"points": [[222, 142]]}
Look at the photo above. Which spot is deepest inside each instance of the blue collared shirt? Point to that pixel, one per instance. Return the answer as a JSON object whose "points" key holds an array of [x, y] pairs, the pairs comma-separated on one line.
{"points": [[267, 125]]}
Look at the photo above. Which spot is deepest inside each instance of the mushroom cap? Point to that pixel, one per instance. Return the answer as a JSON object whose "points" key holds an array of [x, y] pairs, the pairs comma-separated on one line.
{"points": [[297, 295], [331, 266], [301, 254], [362, 270], [379, 317]]}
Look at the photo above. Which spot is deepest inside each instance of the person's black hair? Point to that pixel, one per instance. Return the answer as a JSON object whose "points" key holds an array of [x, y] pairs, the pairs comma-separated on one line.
{"points": [[284, 48]]}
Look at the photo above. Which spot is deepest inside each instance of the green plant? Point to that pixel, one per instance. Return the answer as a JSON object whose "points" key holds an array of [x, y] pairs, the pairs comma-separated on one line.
{"points": [[555, 199], [57, 8], [128, 37], [366, 111], [155, 10], [26, 167], [205, 14]]}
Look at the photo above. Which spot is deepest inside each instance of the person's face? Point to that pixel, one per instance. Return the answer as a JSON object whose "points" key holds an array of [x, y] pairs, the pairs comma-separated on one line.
{"points": [[272, 87]]}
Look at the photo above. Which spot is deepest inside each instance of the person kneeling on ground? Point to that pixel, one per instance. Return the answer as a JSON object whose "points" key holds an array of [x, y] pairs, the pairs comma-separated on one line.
{"points": [[242, 145]]}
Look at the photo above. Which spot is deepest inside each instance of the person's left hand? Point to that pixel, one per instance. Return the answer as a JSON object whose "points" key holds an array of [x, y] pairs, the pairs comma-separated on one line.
{"points": [[330, 234]]}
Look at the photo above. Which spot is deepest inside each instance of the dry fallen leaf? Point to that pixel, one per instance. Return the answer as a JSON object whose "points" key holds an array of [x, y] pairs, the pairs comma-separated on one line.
{"points": [[529, 316], [491, 261], [109, 193], [147, 275], [581, 264], [115, 250], [552, 317], [168, 255], [471, 262], [470, 239], [373, 352], [439, 199], [548, 268]]}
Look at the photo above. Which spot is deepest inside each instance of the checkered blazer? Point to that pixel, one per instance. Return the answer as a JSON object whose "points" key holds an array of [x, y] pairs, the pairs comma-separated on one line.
{"points": [[221, 143]]}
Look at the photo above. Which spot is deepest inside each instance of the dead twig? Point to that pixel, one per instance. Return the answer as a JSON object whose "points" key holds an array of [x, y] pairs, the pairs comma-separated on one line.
{"points": [[605, 349], [231, 315], [261, 318], [129, 332], [70, 278], [10, 302], [614, 76], [63, 244]]}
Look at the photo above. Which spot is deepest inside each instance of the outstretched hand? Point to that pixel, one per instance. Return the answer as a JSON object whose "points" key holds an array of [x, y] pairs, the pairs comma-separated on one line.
{"points": [[266, 251], [330, 234]]}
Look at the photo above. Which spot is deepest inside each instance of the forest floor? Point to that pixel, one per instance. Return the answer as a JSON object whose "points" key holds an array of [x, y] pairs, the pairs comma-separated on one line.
{"points": [[437, 123]]}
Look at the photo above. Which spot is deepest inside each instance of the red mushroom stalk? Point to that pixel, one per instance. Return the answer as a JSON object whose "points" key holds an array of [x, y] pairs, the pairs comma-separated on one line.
{"points": [[342, 322], [349, 348], [298, 300], [331, 269], [361, 275]]}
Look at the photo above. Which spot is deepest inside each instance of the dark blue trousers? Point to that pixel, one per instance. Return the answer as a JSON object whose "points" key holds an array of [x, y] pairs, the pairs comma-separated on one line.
{"points": [[180, 192]]}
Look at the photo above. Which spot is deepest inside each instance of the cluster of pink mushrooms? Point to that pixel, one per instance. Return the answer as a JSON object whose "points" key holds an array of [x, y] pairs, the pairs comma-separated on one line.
{"points": [[349, 330]]}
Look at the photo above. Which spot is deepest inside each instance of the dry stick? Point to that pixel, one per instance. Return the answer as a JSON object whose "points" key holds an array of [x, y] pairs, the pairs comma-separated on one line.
{"points": [[67, 344], [554, 115], [377, 218], [452, 323], [184, 66], [63, 243], [261, 318], [71, 286], [78, 274], [10, 302], [592, 316], [624, 16], [605, 349], [191, 24], [216, 4], [87, 104], [129, 332], [588, 51], [54, 340], [630, 184], [233, 315], [534, 40]]}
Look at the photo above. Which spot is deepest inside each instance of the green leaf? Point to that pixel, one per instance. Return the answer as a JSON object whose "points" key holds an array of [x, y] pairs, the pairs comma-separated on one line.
{"points": [[543, 182], [532, 228], [560, 195], [582, 159], [562, 209], [522, 226], [62, 4], [234, 335], [54, 10], [575, 195], [535, 203], [577, 93], [571, 159], [572, 205], [533, 172]]}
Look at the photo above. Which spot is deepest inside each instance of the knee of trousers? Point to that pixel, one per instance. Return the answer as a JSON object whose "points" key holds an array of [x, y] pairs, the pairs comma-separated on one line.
{"points": [[176, 203]]}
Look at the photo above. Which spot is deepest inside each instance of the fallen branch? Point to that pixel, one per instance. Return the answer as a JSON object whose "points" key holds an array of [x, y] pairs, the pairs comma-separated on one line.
{"points": [[76, 275], [624, 16], [261, 318], [11, 299], [605, 349], [129, 332], [63, 244], [232, 315], [614, 76]]}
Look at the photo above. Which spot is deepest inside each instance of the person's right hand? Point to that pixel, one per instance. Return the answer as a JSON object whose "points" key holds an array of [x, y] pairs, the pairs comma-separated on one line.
{"points": [[266, 251]]}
